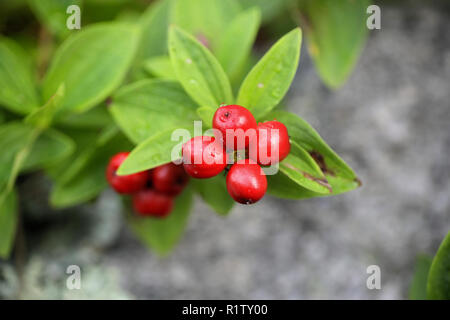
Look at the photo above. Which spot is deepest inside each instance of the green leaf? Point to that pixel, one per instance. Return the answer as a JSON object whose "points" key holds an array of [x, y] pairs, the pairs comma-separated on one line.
{"points": [[206, 19], [85, 139], [151, 153], [198, 70], [336, 32], [52, 14], [302, 169], [148, 107], [14, 138], [37, 149], [91, 64], [154, 24], [17, 91], [161, 235], [8, 223], [339, 175], [51, 147], [84, 178], [97, 117], [236, 43], [43, 116], [269, 80], [438, 287], [86, 185], [269, 8], [214, 192], [308, 138], [207, 115], [89, 144], [160, 67], [281, 186], [418, 288]]}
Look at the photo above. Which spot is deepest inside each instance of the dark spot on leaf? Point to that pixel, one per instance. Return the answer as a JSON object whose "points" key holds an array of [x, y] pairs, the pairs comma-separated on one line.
{"points": [[322, 181], [359, 182], [203, 40], [321, 162], [108, 101]]}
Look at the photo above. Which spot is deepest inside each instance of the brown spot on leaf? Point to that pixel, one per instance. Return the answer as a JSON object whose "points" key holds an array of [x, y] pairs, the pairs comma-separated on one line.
{"points": [[203, 40], [359, 182], [321, 162], [322, 181]]}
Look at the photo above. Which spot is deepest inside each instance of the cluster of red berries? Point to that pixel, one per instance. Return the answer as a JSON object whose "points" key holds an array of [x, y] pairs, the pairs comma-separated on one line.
{"points": [[153, 191], [205, 156]]}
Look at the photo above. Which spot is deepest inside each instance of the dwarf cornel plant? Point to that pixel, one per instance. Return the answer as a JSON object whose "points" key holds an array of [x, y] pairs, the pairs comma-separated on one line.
{"points": [[126, 85], [431, 278]]}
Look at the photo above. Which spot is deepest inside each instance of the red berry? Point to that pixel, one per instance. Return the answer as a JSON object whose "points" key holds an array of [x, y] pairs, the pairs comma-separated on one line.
{"points": [[149, 202], [246, 182], [169, 178], [269, 141], [231, 118], [124, 184], [203, 157]]}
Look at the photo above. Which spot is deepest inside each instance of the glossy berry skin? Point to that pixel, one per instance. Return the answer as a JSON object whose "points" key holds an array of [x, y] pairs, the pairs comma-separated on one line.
{"points": [[149, 202], [233, 117], [246, 182], [169, 178], [268, 142], [203, 157], [124, 184]]}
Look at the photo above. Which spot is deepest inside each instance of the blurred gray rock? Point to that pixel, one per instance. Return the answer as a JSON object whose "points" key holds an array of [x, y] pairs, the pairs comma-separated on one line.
{"points": [[59, 239]]}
